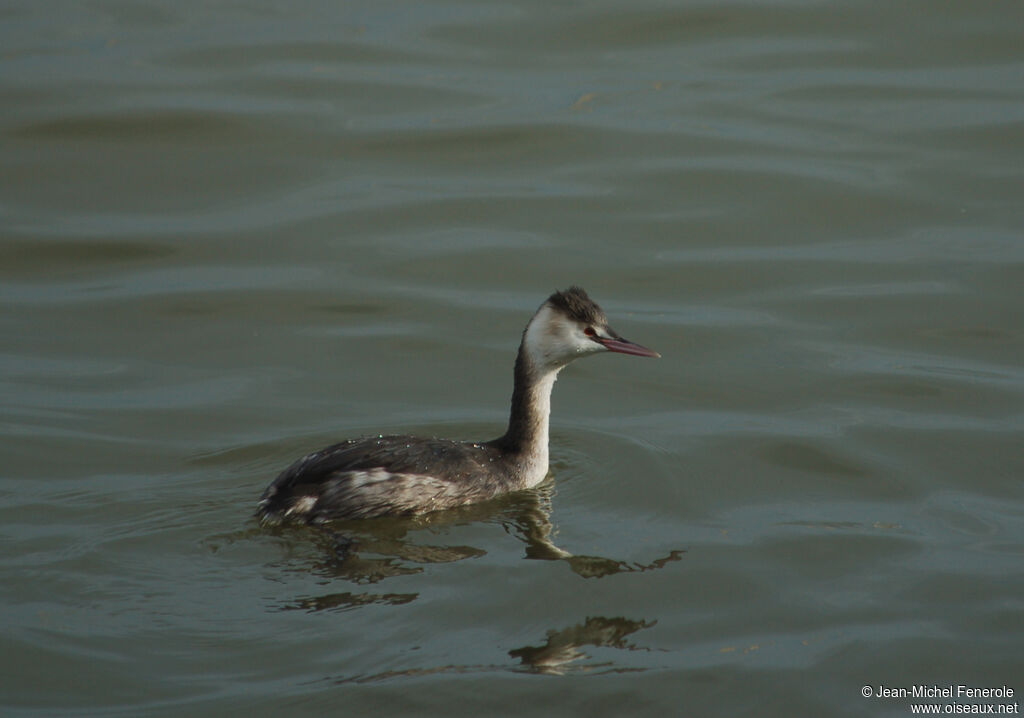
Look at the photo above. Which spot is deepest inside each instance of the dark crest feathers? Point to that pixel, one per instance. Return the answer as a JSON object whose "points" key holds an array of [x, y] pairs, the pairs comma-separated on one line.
{"points": [[578, 306]]}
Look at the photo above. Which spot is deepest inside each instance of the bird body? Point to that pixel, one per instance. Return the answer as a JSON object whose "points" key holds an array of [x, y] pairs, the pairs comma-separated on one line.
{"points": [[404, 475]]}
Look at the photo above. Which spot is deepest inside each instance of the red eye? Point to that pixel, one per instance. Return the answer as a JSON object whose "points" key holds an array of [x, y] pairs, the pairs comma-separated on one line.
{"points": [[589, 331]]}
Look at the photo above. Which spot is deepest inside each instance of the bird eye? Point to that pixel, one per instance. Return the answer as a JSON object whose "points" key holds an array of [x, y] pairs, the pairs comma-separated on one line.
{"points": [[589, 331]]}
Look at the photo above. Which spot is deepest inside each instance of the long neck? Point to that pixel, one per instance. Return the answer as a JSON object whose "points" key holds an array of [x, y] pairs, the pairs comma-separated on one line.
{"points": [[527, 435]]}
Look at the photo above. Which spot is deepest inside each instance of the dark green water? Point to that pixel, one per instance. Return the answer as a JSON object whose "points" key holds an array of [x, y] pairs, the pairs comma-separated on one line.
{"points": [[232, 233]]}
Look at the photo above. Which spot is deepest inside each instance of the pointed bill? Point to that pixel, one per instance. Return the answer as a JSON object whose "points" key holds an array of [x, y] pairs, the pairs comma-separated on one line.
{"points": [[624, 346]]}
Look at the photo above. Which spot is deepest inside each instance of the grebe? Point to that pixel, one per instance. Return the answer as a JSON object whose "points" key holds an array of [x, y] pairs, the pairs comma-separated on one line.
{"points": [[402, 475]]}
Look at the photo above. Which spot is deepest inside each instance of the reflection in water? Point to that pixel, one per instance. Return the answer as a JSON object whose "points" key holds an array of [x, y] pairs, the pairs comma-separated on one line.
{"points": [[555, 658], [533, 524], [345, 557], [563, 647], [339, 601], [369, 551]]}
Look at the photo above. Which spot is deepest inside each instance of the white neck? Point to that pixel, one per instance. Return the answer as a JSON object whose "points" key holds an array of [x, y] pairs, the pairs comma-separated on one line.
{"points": [[526, 441], [534, 451]]}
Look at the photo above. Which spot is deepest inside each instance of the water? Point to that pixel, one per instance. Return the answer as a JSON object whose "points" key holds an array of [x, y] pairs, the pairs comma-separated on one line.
{"points": [[232, 233]]}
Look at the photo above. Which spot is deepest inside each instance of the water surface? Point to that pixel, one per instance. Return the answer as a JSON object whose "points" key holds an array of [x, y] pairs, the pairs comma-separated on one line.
{"points": [[232, 234]]}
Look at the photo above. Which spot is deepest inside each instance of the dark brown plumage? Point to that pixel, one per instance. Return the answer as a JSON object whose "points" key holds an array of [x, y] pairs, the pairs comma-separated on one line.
{"points": [[578, 306]]}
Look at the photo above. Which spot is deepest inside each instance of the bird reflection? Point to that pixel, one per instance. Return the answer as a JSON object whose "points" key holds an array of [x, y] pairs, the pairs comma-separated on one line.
{"points": [[335, 601], [533, 525], [369, 551], [561, 653], [563, 647]]}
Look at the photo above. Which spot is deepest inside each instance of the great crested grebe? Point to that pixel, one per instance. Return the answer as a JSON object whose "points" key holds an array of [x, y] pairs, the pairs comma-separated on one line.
{"points": [[403, 475]]}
